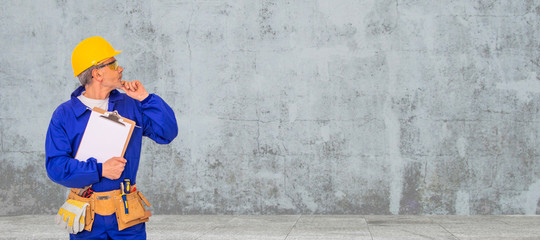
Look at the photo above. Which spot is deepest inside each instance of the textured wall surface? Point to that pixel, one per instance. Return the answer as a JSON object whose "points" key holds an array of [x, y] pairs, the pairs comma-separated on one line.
{"points": [[325, 107]]}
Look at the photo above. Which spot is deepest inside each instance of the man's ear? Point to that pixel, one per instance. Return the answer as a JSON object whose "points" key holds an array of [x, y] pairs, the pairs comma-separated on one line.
{"points": [[96, 75]]}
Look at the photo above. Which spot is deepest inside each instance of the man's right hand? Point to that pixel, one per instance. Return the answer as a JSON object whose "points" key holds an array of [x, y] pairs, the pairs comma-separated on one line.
{"points": [[113, 168]]}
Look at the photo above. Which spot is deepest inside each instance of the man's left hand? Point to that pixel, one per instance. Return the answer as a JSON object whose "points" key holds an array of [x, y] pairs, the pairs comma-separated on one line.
{"points": [[135, 90]]}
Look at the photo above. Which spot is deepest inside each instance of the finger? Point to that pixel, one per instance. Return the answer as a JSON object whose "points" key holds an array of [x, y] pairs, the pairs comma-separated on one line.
{"points": [[81, 226], [120, 159], [67, 224], [63, 224], [134, 86], [129, 86], [83, 217], [76, 225]]}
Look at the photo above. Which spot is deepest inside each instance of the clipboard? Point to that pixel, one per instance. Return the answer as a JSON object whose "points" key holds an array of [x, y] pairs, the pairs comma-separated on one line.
{"points": [[106, 135]]}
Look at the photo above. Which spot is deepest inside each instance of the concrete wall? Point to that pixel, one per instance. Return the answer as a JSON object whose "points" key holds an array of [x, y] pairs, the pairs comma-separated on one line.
{"points": [[305, 107]]}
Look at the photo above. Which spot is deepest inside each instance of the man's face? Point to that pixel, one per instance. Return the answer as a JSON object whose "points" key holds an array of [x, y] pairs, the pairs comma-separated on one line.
{"points": [[111, 78]]}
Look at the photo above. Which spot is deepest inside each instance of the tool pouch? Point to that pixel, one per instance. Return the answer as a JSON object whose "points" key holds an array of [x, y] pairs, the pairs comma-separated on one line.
{"points": [[136, 211], [89, 219]]}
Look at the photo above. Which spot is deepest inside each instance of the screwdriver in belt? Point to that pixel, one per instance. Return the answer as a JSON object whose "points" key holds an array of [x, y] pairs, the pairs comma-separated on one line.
{"points": [[124, 198], [126, 182]]}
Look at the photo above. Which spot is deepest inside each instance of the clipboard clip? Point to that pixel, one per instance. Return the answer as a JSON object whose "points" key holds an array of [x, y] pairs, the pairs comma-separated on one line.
{"points": [[114, 116]]}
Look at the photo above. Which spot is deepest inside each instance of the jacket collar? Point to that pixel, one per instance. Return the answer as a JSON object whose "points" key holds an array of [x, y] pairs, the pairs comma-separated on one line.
{"points": [[79, 108]]}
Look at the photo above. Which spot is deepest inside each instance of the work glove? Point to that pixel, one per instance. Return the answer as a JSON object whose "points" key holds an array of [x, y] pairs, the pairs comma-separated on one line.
{"points": [[71, 216]]}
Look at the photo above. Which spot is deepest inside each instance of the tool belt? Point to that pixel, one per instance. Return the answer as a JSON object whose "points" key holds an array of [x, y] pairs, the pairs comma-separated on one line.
{"points": [[107, 203]]}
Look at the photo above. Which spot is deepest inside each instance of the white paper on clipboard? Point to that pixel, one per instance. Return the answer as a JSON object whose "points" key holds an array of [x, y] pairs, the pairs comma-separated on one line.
{"points": [[104, 138]]}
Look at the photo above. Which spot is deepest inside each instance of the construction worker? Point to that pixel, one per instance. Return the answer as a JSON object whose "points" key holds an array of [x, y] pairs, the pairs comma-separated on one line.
{"points": [[100, 75]]}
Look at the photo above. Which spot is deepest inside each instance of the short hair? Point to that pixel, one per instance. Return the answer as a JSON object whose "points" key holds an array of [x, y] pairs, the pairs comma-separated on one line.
{"points": [[86, 76]]}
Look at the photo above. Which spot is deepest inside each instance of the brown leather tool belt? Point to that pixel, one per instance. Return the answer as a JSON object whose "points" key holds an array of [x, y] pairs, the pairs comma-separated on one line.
{"points": [[108, 203]]}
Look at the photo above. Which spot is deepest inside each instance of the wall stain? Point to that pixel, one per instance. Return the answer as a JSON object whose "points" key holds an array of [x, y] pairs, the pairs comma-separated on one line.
{"points": [[410, 202]]}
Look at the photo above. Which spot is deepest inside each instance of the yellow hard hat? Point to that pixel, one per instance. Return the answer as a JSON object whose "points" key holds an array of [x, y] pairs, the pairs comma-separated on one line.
{"points": [[89, 52]]}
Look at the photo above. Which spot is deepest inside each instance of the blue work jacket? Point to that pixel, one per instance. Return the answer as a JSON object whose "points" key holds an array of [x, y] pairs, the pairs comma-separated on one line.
{"points": [[154, 117]]}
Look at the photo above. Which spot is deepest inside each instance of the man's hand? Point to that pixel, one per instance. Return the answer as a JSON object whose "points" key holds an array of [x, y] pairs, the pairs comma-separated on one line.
{"points": [[113, 168], [135, 90]]}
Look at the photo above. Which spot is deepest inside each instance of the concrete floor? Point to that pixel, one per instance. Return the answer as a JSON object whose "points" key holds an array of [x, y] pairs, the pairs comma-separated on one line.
{"points": [[302, 227]]}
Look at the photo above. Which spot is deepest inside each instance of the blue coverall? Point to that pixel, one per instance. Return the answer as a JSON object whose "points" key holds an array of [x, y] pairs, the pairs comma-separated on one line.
{"points": [[155, 119]]}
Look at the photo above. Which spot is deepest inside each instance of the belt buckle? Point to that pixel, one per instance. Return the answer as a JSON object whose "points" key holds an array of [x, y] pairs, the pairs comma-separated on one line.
{"points": [[103, 197]]}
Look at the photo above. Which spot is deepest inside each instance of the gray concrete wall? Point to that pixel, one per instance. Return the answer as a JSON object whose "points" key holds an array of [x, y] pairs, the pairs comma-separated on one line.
{"points": [[324, 107]]}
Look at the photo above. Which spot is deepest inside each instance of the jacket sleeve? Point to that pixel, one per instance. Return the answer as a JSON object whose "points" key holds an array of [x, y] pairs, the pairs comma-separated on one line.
{"points": [[159, 122], [61, 167]]}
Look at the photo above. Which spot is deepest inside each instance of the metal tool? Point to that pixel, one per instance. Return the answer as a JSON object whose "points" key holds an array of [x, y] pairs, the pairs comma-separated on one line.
{"points": [[124, 198]]}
